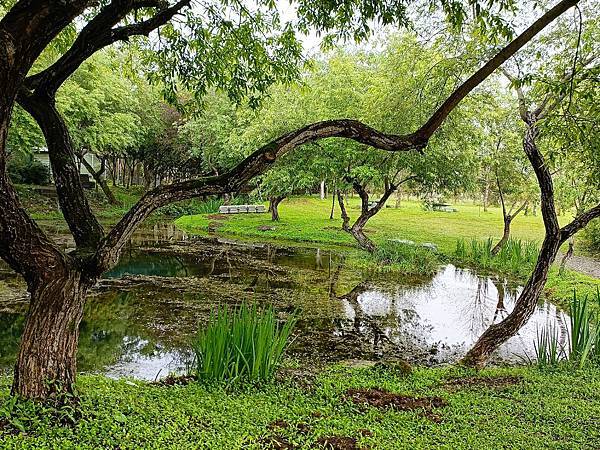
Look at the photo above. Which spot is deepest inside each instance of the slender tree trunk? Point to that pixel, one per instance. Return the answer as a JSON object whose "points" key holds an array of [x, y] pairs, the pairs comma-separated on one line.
{"points": [[100, 181], [567, 255], [344, 213], [505, 235], [323, 190], [274, 207], [332, 207], [46, 363], [486, 194]]}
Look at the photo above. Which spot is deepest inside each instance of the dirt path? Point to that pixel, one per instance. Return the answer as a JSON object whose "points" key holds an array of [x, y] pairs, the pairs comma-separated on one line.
{"points": [[584, 264]]}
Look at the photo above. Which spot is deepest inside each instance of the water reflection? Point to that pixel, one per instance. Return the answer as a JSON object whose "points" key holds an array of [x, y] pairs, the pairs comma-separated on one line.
{"points": [[139, 320]]}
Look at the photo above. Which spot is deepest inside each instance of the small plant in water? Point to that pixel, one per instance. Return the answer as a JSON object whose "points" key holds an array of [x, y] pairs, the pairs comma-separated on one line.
{"points": [[516, 256], [583, 345], [548, 349], [243, 344]]}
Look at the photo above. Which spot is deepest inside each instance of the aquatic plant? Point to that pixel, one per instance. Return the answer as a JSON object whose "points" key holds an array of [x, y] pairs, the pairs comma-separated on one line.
{"points": [[583, 345], [516, 256], [243, 344], [547, 346], [406, 258]]}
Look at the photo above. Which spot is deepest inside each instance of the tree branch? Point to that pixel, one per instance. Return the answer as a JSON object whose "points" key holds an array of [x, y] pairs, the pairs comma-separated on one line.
{"points": [[264, 157], [438, 117], [96, 35], [579, 222]]}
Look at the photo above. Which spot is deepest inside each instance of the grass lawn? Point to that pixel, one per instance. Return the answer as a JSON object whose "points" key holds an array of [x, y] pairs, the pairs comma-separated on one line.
{"points": [[516, 408], [306, 219]]}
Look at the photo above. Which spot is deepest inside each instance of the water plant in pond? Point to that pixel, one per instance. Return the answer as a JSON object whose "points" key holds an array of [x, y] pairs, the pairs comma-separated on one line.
{"points": [[583, 343], [405, 258], [516, 256], [242, 344], [549, 351]]}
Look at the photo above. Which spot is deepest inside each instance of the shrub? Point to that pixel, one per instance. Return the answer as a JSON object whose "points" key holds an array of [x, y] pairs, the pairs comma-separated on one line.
{"points": [[517, 257], [406, 258], [28, 171], [591, 234], [244, 344]]}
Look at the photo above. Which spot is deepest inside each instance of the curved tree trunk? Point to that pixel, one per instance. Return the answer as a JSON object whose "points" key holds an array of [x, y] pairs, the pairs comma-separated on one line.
{"points": [[274, 207], [47, 363], [344, 213], [505, 236], [524, 308], [363, 240]]}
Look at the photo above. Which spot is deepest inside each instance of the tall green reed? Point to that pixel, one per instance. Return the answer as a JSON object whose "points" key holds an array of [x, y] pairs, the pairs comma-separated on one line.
{"points": [[242, 344]]}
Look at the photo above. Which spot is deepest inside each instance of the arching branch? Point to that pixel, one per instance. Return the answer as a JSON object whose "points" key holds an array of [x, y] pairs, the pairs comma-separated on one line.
{"points": [[98, 34]]}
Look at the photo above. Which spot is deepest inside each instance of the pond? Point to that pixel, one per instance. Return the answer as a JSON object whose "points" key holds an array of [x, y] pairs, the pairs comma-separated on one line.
{"points": [[140, 319]]}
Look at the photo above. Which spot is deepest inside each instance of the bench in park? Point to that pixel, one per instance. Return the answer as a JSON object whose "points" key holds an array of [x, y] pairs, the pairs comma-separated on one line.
{"points": [[445, 207], [242, 209]]}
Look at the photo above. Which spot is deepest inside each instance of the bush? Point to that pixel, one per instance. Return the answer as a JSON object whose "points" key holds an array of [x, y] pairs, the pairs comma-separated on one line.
{"points": [[407, 258], [591, 234], [516, 256], [245, 344], [28, 171]]}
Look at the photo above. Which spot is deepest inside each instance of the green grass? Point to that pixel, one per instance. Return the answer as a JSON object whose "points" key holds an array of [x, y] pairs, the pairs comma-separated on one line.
{"points": [[306, 220], [246, 344], [544, 409]]}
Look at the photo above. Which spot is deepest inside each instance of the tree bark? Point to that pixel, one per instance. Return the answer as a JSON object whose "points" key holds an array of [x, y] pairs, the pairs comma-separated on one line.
{"points": [[100, 181], [274, 206], [505, 235], [323, 195], [344, 213], [47, 359], [84, 226]]}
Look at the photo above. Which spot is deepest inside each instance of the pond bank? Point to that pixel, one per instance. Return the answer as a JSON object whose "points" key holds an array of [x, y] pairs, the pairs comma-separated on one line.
{"points": [[140, 318]]}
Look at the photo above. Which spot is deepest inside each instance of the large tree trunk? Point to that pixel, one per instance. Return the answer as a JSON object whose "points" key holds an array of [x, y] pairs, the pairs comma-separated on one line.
{"points": [[524, 308], [274, 207], [46, 363]]}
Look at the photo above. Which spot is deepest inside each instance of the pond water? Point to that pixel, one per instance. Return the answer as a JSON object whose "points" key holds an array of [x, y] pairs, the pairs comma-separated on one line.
{"points": [[142, 316]]}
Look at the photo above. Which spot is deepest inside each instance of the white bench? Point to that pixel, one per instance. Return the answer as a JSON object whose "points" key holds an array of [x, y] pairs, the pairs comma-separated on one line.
{"points": [[242, 209]]}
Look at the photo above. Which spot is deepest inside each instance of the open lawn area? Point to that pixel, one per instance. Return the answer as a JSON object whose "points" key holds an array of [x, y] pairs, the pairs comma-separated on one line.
{"points": [[307, 219], [516, 408]]}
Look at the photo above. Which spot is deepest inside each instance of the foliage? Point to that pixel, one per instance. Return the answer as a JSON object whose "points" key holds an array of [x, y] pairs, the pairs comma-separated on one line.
{"points": [[516, 257], [406, 258], [592, 235], [583, 344], [28, 170], [552, 407], [246, 344]]}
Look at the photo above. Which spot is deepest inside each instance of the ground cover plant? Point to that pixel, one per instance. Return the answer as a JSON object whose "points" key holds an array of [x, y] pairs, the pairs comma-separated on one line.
{"points": [[521, 408]]}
